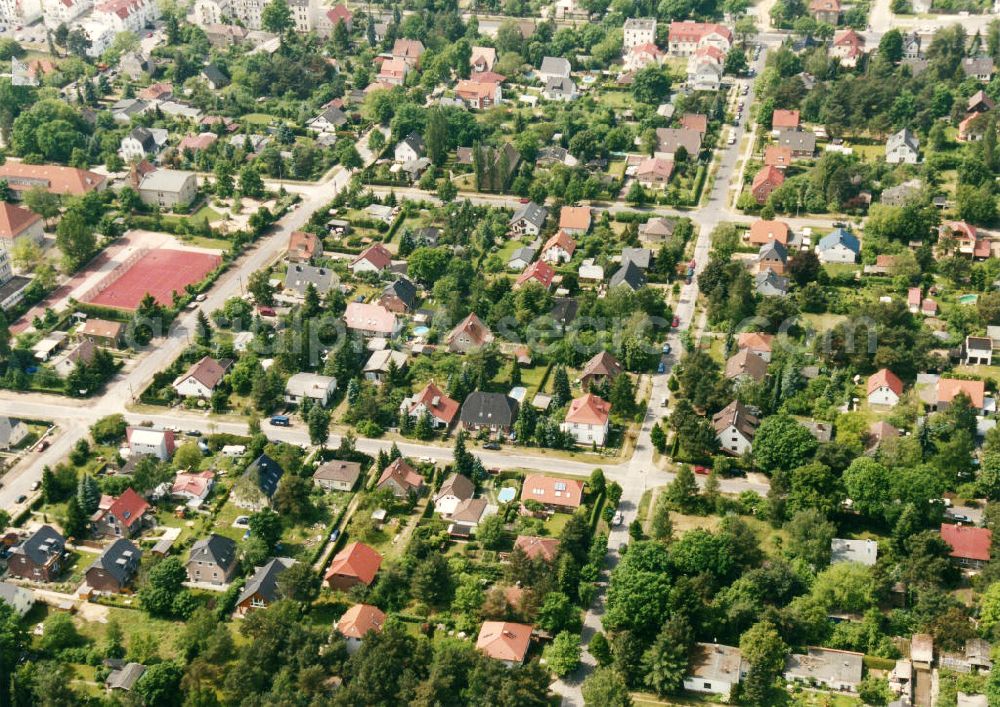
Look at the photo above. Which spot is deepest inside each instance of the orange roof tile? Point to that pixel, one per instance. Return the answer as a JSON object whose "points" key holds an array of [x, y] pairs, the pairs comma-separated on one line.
{"points": [[356, 560], [588, 410]]}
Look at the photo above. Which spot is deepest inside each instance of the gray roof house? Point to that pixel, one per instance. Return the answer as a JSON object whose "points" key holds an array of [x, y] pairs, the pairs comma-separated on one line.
{"points": [[901, 194], [668, 140], [801, 142], [301, 275], [489, 410], [410, 148], [521, 258], [554, 66], [168, 187], [628, 275], [258, 483], [559, 88], [529, 218], [642, 258], [262, 588], [845, 550], [212, 559], [979, 67], [902, 148], [214, 76], [769, 284], [116, 567], [125, 678], [835, 669]]}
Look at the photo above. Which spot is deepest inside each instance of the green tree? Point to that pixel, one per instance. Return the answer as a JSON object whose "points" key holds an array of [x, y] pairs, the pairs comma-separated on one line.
{"points": [[188, 457], [562, 656], [163, 593], [42, 202], [764, 652], [75, 238], [809, 537], [651, 85], [266, 525], [665, 663], [781, 442], [661, 527], [75, 523], [276, 17], [490, 532], [60, 633], [299, 583], [605, 687], [318, 420], [875, 691], [14, 642], [890, 47], [682, 492], [622, 395]]}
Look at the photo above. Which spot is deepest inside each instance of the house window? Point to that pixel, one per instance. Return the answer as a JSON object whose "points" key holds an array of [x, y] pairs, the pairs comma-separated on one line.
{"points": [[707, 685]]}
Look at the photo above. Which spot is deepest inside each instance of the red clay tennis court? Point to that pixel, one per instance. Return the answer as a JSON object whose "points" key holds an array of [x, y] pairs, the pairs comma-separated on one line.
{"points": [[159, 272]]}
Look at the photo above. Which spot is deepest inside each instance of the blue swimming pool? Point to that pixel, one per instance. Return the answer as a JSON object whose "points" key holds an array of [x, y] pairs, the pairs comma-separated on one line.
{"points": [[421, 330], [506, 494]]}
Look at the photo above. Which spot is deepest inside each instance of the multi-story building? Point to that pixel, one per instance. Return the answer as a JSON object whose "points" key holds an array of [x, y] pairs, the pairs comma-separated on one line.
{"points": [[126, 15]]}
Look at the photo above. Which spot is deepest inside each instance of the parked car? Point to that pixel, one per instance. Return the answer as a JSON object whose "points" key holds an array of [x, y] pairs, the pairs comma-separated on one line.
{"points": [[491, 445], [22, 498], [703, 470], [666, 349], [676, 322], [43, 445], [334, 535], [35, 485], [662, 368], [617, 520]]}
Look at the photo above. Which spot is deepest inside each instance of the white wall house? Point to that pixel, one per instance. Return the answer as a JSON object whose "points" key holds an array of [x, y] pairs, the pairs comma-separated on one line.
{"points": [[126, 15], [587, 420], [317, 388]]}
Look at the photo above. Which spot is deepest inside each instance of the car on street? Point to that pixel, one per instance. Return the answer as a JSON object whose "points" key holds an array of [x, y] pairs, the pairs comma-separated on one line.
{"points": [[22, 498], [665, 401], [193, 433], [334, 535], [491, 445], [617, 520], [666, 349], [675, 322], [43, 445], [703, 470], [662, 368], [34, 485], [731, 140]]}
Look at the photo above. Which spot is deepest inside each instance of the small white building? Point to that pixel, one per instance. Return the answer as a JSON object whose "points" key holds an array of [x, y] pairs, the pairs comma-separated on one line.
{"points": [[454, 490], [884, 388], [864, 552], [735, 428], [587, 420], [715, 670], [312, 386], [148, 440], [200, 379]]}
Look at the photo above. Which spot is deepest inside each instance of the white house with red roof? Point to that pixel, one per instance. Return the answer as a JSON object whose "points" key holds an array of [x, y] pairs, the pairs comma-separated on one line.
{"points": [[884, 388], [148, 440], [913, 297], [848, 47], [559, 248], [654, 172], [357, 622], [705, 68], [504, 641], [539, 271], [339, 14], [478, 93], [643, 55], [685, 38], [375, 258], [401, 478], [970, 546], [57, 12], [588, 420], [194, 487], [126, 15], [371, 320], [17, 224], [434, 402], [469, 335]]}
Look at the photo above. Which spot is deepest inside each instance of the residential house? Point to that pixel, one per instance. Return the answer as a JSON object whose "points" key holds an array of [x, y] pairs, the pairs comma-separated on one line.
{"points": [[685, 38], [878, 432], [839, 246], [148, 440], [884, 388], [902, 147], [371, 320], [528, 219], [114, 570], [455, 489], [772, 256], [125, 517], [441, 409], [381, 363], [714, 669], [766, 181], [538, 271], [929, 307], [575, 220], [495, 412], [222, 36], [553, 493], [214, 77], [258, 483], [902, 194], [695, 121], [479, 95], [848, 47], [912, 46], [559, 248], [355, 564], [559, 89], [863, 552], [399, 296], [521, 258], [802, 143], [410, 148], [778, 156], [62, 181], [657, 229], [142, 143], [504, 641], [168, 188], [17, 598], [735, 428], [746, 366], [212, 560], [482, 59], [337, 475], [638, 31], [978, 351], [948, 388], [303, 247], [628, 275], [639, 56], [535, 548], [469, 335], [588, 420], [600, 368], [834, 669], [40, 557], [980, 68], [764, 232], [194, 144], [913, 298], [193, 486], [670, 140], [261, 590], [312, 386], [328, 121], [782, 119], [123, 679], [970, 546], [200, 380], [18, 225], [768, 283], [408, 50], [402, 479], [654, 173], [827, 11], [12, 432], [705, 69], [300, 276], [467, 515], [554, 67], [375, 258], [126, 15], [972, 128], [357, 622], [979, 102]]}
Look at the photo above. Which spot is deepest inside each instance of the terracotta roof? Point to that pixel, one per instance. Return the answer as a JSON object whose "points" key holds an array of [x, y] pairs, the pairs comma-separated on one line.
{"points": [[437, 403], [207, 371], [848, 37], [535, 547], [655, 167], [338, 13], [967, 542], [128, 508], [881, 430], [156, 91], [14, 220], [302, 244], [552, 491], [777, 156], [202, 141], [377, 255], [755, 341], [360, 619], [101, 328], [736, 415], [404, 475], [588, 410], [695, 121], [408, 48], [502, 640], [602, 364], [356, 560], [746, 363], [913, 296], [885, 379], [781, 118], [694, 31], [766, 175], [474, 328], [562, 240], [457, 485], [369, 317], [54, 179], [539, 271], [576, 217], [948, 388], [475, 90], [762, 232], [193, 484]]}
